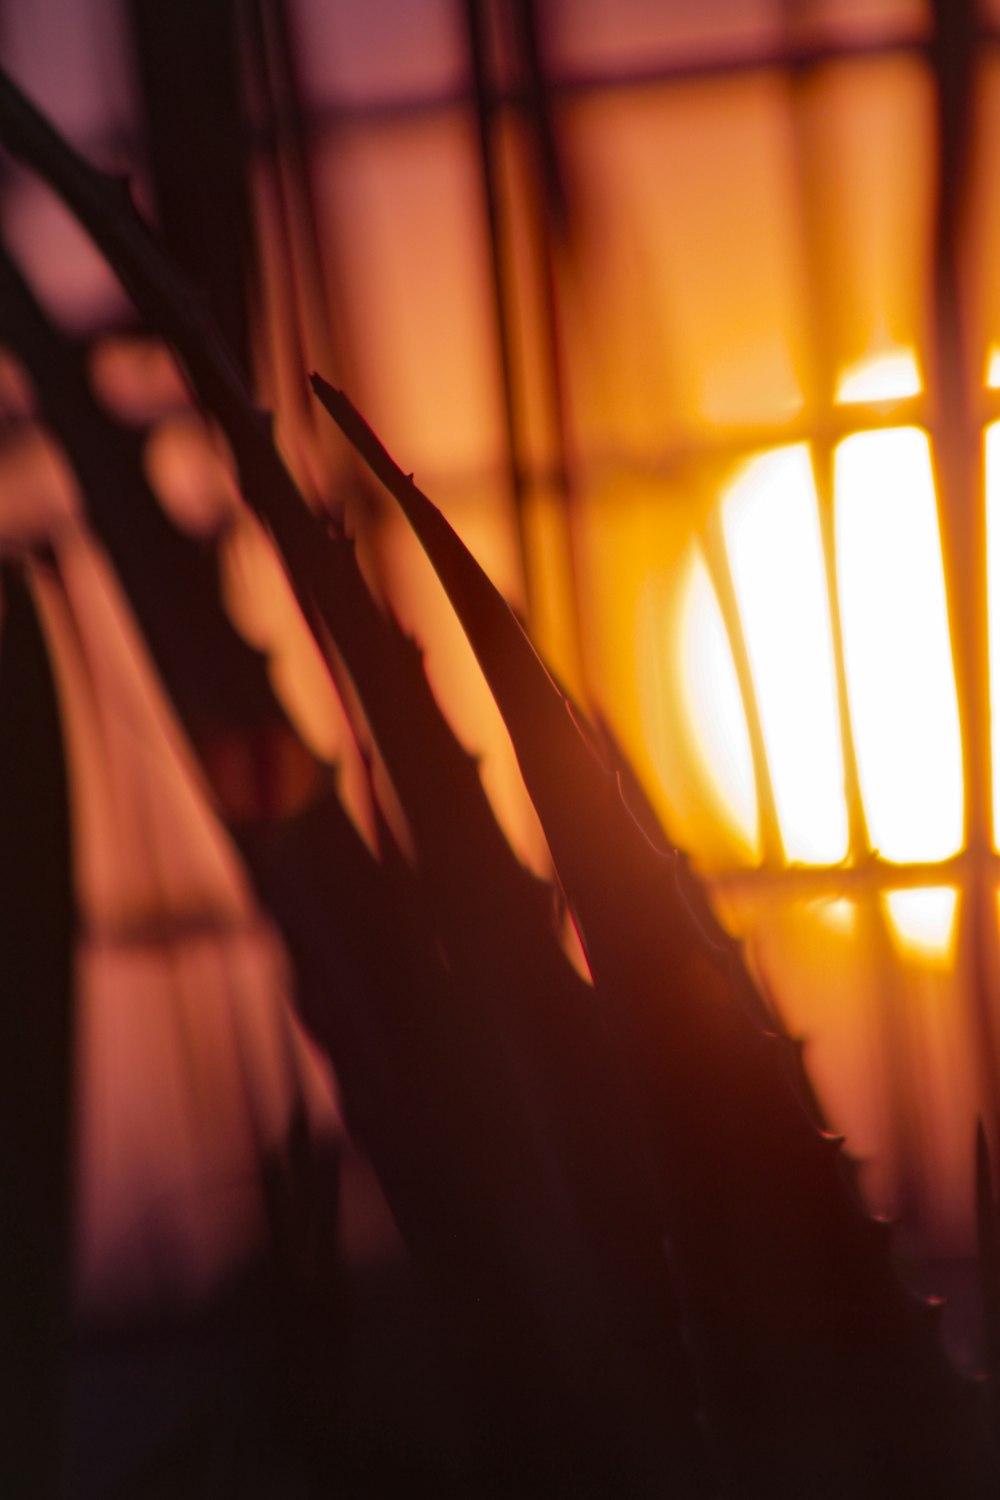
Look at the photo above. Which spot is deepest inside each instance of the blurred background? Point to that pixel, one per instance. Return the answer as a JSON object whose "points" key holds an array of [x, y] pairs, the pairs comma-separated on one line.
{"points": [[687, 315]]}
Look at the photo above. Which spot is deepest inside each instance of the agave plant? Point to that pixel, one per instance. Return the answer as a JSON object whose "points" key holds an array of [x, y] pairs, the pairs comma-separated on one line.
{"points": [[648, 1264]]}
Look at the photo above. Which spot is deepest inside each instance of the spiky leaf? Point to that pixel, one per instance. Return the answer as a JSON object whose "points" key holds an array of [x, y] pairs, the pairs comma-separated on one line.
{"points": [[820, 1374]]}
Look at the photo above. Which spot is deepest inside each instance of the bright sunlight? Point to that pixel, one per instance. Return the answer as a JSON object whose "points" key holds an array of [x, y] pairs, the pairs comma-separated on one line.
{"points": [[897, 649], [890, 376], [771, 526], [714, 707], [922, 921]]}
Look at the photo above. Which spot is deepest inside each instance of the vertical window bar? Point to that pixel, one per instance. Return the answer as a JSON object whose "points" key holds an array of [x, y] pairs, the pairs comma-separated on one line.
{"points": [[269, 32], [552, 225], [486, 105], [720, 572], [898, 1106], [824, 383], [963, 520]]}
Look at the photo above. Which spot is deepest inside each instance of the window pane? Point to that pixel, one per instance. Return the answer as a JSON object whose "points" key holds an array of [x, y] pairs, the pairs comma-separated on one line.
{"points": [[897, 650]]}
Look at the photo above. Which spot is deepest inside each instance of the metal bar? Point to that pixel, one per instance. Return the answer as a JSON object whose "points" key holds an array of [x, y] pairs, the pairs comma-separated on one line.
{"points": [[552, 224], [890, 1019], [833, 425], [289, 374], [188, 56], [535, 81], [584, 85], [716, 446], [322, 337], [485, 108], [121, 142], [717, 559], [816, 882], [963, 519]]}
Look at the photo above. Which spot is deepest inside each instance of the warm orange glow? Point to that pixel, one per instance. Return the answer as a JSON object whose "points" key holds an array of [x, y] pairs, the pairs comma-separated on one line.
{"points": [[827, 990], [993, 370], [870, 124], [837, 913], [922, 921], [775, 552], [261, 605], [189, 475], [424, 293], [670, 330], [422, 608], [137, 378], [889, 375], [897, 652], [552, 600], [713, 705], [993, 590]]}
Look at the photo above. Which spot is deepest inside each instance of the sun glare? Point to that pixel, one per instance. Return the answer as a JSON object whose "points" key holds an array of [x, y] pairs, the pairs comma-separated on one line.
{"points": [[922, 921], [772, 533], [838, 913], [713, 705], [897, 651], [889, 376]]}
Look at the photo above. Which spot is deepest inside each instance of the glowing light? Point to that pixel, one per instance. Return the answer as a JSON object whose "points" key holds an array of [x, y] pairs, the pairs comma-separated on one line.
{"points": [[837, 913], [922, 921], [993, 593], [714, 707], [897, 652], [771, 526], [889, 376], [993, 370]]}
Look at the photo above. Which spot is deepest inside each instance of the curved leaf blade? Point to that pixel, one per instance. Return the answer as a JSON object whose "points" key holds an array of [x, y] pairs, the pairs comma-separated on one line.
{"points": [[812, 1357]]}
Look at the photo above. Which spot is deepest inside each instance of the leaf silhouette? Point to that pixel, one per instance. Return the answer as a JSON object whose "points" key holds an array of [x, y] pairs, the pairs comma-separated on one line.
{"points": [[812, 1358], [819, 1375], [481, 1087], [574, 1352], [215, 679], [36, 1048]]}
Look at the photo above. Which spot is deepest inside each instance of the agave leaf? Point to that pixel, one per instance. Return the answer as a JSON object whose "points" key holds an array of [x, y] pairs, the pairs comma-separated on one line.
{"points": [[546, 737], [310, 555], [762, 1008], [215, 679], [169, 305], [812, 1358], [756, 1295], [36, 1048], [440, 1117], [555, 1080], [533, 1249]]}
